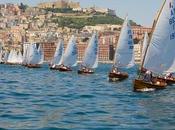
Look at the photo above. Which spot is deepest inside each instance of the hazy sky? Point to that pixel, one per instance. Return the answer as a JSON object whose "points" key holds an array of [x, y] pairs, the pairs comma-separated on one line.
{"points": [[141, 11]]}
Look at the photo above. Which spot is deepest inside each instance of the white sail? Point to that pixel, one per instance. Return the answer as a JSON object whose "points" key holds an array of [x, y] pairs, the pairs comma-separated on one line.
{"points": [[70, 55], [6, 55], [12, 58], [160, 56], [25, 52], [144, 45], [33, 55], [9, 59], [19, 58], [91, 54], [58, 53], [124, 55], [41, 54]]}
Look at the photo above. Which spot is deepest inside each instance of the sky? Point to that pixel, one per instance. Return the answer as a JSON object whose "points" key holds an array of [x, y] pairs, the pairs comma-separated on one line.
{"points": [[140, 11]]}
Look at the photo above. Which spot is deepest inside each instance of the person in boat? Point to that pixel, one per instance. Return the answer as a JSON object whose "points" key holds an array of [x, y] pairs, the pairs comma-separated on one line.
{"points": [[115, 70], [148, 76], [169, 76]]}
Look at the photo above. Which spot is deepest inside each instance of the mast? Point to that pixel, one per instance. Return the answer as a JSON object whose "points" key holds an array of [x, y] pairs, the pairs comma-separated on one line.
{"points": [[153, 28]]}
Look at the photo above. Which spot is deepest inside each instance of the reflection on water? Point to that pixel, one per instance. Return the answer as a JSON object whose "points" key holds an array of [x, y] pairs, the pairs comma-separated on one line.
{"points": [[44, 99]]}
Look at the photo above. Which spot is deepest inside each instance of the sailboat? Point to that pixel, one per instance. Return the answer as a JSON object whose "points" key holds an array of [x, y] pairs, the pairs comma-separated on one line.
{"points": [[12, 58], [124, 53], [69, 58], [160, 54], [90, 60], [55, 63], [33, 56]]}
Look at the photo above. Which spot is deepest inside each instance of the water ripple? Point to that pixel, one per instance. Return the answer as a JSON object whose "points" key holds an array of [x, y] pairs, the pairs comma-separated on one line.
{"points": [[40, 99]]}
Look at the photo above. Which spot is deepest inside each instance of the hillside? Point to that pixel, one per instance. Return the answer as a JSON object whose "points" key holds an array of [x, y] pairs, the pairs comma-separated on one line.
{"points": [[78, 20]]}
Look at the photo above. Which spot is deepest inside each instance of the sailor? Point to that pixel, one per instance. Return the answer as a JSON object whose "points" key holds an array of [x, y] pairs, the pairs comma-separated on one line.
{"points": [[169, 75], [148, 76], [114, 70]]}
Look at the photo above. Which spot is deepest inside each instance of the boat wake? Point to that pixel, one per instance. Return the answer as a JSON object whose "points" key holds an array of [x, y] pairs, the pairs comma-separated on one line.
{"points": [[146, 90]]}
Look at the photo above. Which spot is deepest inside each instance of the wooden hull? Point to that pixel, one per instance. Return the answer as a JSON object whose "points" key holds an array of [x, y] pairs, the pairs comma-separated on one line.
{"points": [[140, 85], [33, 66], [11, 63], [85, 72], [63, 69], [54, 68], [113, 77], [169, 81]]}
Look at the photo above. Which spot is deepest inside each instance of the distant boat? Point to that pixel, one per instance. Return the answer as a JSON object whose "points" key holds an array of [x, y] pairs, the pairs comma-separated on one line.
{"points": [[12, 57], [124, 53], [160, 54], [69, 58], [34, 56], [90, 60], [55, 63]]}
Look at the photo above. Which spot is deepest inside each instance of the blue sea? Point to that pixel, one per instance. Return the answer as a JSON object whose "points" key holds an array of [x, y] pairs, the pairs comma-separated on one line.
{"points": [[40, 99]]}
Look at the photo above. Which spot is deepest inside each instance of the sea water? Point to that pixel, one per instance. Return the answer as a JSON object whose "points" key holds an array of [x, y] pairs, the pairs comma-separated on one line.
{"points": [[41, 99]]}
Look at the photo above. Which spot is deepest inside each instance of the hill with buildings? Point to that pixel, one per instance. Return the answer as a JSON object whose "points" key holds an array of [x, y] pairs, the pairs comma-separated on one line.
{"points": [[70, 14]]}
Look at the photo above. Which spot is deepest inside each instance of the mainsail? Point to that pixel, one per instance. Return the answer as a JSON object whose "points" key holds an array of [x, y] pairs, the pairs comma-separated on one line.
{"points": [[12, 58], [160, 56], [124, 55], [91, 53], [41, 54], [33, 57], [58, 53], [25, 53], [144, 45], [70, 55], [19, 58]]}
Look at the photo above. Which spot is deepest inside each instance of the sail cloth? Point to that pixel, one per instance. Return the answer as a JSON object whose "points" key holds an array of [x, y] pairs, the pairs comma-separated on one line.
{"points": [[160, 56], [13, 57], [91, 53], [124, 54], [70, 55], [41, 54], [25, 53], [19, 58], [144, 45], [33, 56], [58, 53]]}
